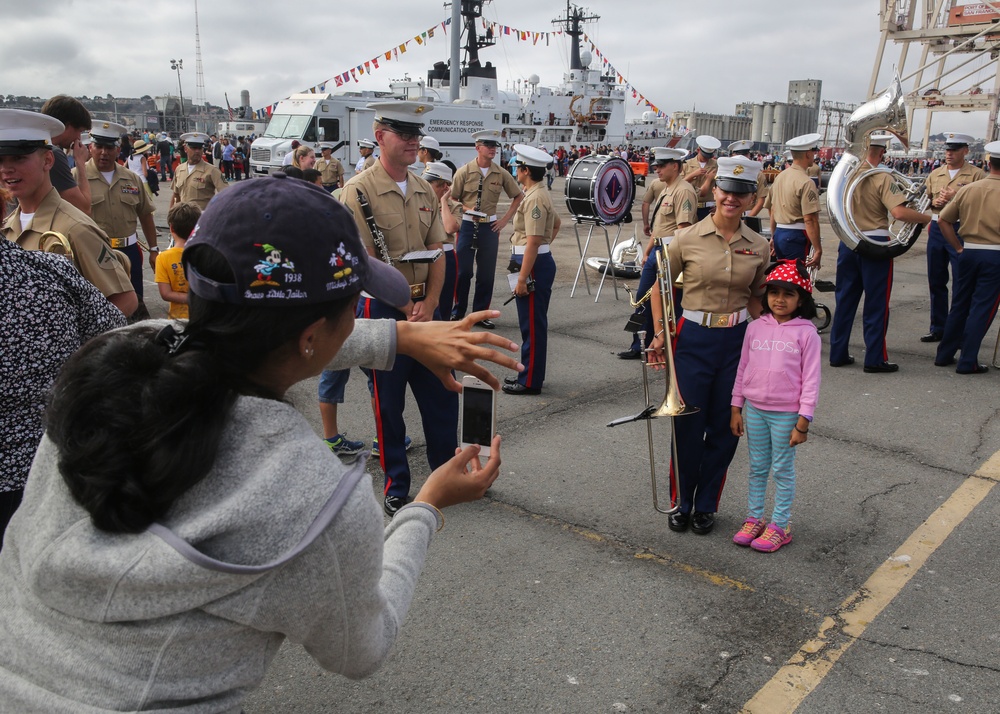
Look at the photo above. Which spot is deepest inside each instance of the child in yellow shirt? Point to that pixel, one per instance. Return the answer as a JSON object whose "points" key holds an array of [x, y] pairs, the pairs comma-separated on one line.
{"points": [[169, 269]]}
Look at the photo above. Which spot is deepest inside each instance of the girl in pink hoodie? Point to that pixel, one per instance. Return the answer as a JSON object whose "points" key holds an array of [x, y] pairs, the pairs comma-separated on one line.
{"points": [[778, 384]]}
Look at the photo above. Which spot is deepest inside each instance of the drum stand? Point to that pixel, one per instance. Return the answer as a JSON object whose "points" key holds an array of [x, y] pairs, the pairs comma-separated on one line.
{"points": [[583, 248]]}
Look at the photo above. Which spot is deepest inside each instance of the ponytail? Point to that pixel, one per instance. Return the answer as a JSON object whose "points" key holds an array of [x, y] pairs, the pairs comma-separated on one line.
{"points": [[138, 419]]}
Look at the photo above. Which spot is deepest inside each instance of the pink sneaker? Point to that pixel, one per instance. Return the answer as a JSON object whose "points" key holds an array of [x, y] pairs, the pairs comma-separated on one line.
{"points": [[752, 527], [773, 538]]}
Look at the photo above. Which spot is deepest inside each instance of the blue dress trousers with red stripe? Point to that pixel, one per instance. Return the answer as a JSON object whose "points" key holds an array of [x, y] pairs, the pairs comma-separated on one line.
{"points": [[857, 276], [706, 360], [533, 319], [485, 259], [438, 409], [977, 295], [940, 255]]}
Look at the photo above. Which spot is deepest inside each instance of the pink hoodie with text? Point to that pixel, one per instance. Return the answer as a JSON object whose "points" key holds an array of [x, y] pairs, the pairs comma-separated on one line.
{"points": [[780, 366]]}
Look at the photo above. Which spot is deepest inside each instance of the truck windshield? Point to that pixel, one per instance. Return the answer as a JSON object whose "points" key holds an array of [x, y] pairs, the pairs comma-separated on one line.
{"points": [[287, 126]]}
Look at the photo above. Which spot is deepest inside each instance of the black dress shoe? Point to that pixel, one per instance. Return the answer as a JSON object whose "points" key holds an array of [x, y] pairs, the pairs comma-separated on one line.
{"points": [[488, 324], [510, 380], [518, 388], [678, 522], [978, 369], [883, 368], [702, 523], [932, 337], [945, 362], [846, 362], [630, 354]]}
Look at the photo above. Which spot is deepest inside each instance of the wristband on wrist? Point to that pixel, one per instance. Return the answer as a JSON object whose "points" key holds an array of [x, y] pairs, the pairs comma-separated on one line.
{"points": [[423, 504], [796, 427]]}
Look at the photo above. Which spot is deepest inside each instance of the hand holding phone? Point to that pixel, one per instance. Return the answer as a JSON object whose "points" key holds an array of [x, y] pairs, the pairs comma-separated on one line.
{"points": [[478, 421]]}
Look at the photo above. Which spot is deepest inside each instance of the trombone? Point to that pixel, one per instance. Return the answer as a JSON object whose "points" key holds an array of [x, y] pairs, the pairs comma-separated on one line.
{"points": [[672, 405]]}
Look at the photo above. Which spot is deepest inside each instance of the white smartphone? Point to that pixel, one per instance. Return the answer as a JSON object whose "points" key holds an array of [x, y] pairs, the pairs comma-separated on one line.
{"points": [[479, 414]]}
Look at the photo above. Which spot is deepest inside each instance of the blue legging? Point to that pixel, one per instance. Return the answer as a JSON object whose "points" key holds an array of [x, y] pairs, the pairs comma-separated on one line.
{"points": [[767, 436]]}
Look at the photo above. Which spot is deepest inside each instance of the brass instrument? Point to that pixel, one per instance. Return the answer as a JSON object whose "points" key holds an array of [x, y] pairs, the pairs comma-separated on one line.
{"points": [[54, 242], [672, 405], [884, 113]]}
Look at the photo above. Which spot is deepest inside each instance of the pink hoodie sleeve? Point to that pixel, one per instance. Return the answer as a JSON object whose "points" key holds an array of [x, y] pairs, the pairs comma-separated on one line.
{"points": [[812, 359], [738, 398]]}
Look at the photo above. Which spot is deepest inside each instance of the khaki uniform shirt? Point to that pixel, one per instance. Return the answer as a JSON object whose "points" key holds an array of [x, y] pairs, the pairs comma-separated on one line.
{"points": [[407, 223], [692, 165], [678, 203], [940, 179], [763, 186], [719, 275], [117, 207], [793, 196], [91, 251], [814, 171], [873, 200], [197, 185], [465, 186], [457, 210], [977, 205], [653, 191], [536, 216], [332, 171], [369, 162]]}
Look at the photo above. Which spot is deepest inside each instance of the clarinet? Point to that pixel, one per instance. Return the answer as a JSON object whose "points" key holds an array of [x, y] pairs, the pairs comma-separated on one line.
{"points": [[475, 227], [376, 232]]}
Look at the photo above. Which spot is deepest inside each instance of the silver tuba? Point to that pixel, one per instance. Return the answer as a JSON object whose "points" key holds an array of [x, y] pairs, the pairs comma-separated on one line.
{"points": [[884, 113]]}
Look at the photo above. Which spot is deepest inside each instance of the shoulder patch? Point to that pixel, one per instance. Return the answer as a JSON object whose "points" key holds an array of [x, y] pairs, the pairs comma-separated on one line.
{"points": [[812, 196], [687, 204], [536, 213]]}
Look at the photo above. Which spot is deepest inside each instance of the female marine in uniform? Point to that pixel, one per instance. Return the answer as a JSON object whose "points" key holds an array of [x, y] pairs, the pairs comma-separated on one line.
{"points": [[535, 226], [723, 263], [439, 175]]}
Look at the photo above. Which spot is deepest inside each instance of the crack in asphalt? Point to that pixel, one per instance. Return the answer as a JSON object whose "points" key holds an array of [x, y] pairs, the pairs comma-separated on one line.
{"points": [[640, 552], [930, 653], [981, 436]]}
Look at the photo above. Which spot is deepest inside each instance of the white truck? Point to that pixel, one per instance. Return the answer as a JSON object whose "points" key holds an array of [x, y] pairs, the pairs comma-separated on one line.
{"points": [[343, 119]]}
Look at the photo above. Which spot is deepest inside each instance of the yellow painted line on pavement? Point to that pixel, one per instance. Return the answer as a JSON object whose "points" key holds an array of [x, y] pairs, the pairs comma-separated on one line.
{"points": [[806, 669]]}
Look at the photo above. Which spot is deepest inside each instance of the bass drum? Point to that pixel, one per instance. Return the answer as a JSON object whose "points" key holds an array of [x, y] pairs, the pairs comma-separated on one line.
{"points": [[601, 189]]}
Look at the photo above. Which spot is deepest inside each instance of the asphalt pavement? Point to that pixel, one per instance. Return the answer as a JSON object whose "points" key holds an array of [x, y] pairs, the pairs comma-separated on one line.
{"points": [[564, 591]]}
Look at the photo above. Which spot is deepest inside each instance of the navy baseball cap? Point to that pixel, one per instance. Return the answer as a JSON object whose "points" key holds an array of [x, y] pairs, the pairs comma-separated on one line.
{"points": [[288, 243]]}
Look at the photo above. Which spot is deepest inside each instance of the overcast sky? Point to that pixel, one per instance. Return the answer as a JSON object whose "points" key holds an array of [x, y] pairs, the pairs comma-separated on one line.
{"points": [[708, 55]]}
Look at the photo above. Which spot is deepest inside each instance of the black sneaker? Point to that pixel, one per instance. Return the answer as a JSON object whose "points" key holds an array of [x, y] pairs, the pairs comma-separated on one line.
{"points": [[488, 324], [392, 504]]}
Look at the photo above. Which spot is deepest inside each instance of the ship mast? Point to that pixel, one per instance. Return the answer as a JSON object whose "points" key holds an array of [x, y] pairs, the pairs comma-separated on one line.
{"points": [[573, 22]]}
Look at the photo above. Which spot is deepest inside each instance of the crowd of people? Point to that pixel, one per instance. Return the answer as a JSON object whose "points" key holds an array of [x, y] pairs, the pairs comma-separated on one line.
{"points": [[144, 496]]}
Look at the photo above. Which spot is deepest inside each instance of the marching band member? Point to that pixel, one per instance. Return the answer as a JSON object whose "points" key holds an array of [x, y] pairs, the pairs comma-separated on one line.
{"points": [[120, 203], [742, 148], [366, 147], [330, 167], [858, 275], [439, 175], [724, 264], [26, 159], [674, 208], [477, 185], [794, 206], [197, 181], [535, 227], [406, 210], [942, 185], [977, 280], [699, 171]]}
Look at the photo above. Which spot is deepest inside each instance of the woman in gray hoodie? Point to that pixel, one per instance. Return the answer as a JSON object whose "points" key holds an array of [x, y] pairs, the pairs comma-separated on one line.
{"points": [[181, 520]]}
